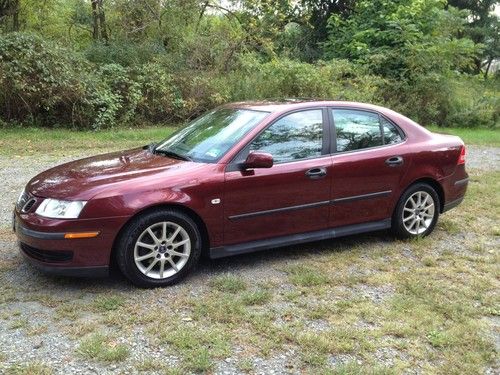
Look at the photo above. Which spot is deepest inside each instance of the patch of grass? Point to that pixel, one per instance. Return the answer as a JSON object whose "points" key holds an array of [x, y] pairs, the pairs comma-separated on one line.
{"points": [[33, 368], [69, 310], [429, 261], [108, 302], [228, 283], [438, 339], [448, 225], [245, 365], [473, 136], [38, 141], [19, 323], [256, 297], [157, 366], [219, 308], [302, 275], [37, 330], [80, 328], [103, 349], [198, 360], [353, 368], [198, 346]]}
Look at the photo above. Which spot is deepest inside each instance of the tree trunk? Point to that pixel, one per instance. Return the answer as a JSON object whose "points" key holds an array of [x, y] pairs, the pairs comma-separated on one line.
{"points": [[488, 66], [102, 21], [95, 18], [99, 31]]}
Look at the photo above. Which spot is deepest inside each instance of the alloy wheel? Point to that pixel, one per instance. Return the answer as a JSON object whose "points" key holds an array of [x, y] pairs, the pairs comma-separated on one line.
{"points": [[162, 250], [418, 212]]}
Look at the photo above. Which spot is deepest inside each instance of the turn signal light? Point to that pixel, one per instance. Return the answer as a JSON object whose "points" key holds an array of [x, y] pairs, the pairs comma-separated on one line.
{"points": [[81, 235]]}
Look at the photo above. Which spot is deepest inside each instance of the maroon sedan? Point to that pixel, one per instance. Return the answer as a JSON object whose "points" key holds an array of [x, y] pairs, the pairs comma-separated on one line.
{"points": [[244, 177]]}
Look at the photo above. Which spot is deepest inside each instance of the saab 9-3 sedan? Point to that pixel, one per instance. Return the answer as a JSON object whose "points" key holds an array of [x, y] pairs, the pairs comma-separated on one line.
{"points": [[241, 178]]}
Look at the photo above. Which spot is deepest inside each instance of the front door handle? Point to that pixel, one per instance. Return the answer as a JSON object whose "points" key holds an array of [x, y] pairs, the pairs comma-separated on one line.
{"points": [[315, 173], [394, 161]]}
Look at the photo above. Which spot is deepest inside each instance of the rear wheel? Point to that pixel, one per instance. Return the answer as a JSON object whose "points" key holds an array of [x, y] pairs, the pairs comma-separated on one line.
{"points": [[159, 248], [417, 212]]}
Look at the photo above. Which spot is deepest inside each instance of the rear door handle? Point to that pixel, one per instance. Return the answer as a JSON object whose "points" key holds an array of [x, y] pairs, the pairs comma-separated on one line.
{"points": [[394, 161], [315, 173]]}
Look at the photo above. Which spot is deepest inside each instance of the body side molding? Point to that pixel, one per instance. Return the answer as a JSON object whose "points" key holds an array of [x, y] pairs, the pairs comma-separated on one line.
{"points": [[353, 198]]}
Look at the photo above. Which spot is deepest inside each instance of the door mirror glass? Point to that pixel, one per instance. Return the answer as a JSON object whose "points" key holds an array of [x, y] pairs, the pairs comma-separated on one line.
{"points": [[257, 159]]}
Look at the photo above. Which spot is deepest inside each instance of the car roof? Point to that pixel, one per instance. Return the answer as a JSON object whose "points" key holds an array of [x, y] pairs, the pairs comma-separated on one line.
{"points": [[292, 104]]}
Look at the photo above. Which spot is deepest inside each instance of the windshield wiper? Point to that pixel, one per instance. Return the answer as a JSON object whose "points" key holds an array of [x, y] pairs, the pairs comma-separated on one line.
{"points": [[151, 147], [172, 154]]}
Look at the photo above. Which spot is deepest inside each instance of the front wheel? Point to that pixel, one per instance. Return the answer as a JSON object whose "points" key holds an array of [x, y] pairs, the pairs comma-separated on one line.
{"points": [[159, 248], [417, 212]]}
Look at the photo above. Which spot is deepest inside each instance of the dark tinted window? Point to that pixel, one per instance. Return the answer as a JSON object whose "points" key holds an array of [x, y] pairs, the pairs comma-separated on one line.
{"points": [[293, 137], [391, 133], [356, 129]]}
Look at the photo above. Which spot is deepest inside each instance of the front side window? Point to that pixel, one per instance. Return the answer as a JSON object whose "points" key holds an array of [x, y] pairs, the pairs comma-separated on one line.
{"points": [[296, 136], [356, 129], [210, 136]]}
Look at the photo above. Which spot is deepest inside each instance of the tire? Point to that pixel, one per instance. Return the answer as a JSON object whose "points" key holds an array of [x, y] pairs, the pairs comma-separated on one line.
{"points": [[410, 210], [176, 244]]}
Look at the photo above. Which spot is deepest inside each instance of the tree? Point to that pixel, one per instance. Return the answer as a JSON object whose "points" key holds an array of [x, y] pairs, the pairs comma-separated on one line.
{"points": [[9, 10], [483, 26], [402, 38]]}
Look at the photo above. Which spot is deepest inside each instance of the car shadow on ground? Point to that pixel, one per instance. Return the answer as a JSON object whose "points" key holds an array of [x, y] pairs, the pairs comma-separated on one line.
{"points": [[246, 265]]}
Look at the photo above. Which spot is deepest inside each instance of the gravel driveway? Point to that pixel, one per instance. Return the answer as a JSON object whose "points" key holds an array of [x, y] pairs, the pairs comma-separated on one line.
{"points": [[36, 327]]}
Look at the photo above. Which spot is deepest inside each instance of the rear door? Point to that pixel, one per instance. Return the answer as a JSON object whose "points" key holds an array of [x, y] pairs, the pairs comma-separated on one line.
{"points": [[369, 161], [291, 197]]}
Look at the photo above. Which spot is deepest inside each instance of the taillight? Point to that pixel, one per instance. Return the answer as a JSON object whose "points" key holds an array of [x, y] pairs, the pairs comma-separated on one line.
{"points": [[461, 158]]}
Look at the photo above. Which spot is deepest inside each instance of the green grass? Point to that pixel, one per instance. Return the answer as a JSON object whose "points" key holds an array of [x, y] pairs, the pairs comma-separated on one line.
{"points": [[472, 136], [108, 302], [228, 283], [34, 141], [32, 368], [102, 348]]}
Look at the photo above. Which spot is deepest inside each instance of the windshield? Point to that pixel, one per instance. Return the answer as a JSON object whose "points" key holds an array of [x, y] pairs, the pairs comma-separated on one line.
{"points": [[210, 136]]}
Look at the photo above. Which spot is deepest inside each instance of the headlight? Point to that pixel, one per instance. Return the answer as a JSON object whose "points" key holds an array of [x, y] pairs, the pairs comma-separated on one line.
{"points": [[57, 209]]}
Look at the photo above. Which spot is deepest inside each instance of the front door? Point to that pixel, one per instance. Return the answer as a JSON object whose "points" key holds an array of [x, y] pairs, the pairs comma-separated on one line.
{"points": [[368, 166], [292, 196]]}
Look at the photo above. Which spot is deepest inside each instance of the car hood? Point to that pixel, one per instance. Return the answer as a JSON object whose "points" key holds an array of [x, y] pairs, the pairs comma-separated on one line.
{"points": [[83, 179]]}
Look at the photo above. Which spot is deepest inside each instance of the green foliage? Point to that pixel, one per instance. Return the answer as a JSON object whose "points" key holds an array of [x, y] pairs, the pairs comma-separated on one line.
{"points": [[160, 62], [47, 84]]}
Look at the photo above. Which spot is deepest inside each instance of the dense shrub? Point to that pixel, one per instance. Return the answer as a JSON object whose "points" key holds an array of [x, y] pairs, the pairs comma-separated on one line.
{"points": [[43, 83], [336, 79], [49, 85]]}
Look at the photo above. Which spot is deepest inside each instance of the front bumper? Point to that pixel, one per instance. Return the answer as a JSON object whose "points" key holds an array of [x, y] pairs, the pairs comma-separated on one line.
{"points": [[42, 242], [64, 270]]}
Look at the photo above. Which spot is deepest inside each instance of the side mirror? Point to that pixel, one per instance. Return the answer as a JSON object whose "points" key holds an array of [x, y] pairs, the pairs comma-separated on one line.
{"points": [[257, 159]]}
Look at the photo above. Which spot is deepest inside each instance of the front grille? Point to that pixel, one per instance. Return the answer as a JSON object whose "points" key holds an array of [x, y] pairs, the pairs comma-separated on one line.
{"points": [[29, 205], [47, 256]]}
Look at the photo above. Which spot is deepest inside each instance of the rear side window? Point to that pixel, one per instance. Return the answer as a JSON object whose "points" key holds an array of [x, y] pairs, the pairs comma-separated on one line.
{"points": [[356, 130], [391, 133]]}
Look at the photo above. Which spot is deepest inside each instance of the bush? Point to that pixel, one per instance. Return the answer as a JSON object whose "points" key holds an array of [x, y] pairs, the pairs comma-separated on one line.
{"points": [[48, 85], [160, 98], [336, 79], [448, 101]]}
